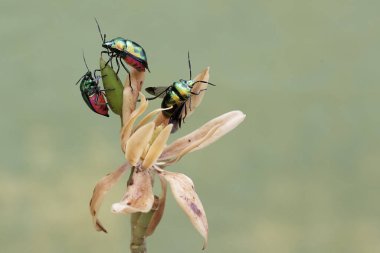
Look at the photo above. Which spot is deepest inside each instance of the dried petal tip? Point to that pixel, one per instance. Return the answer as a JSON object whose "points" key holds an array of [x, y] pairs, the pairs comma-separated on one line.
{"points": [[100, 190]]}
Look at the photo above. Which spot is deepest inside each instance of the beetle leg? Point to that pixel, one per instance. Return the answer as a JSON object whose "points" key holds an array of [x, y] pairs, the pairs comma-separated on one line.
{"points": [[107, 90], [189, 104], [188, 58], [104, 52], [109, 60], [183, 119], [201, 81], [129, 74], [118, 65], [194, 93]]}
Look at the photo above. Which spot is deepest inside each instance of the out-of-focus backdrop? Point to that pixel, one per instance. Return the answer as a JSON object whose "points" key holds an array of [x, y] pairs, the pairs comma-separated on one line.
{"points": [[301, 174]]}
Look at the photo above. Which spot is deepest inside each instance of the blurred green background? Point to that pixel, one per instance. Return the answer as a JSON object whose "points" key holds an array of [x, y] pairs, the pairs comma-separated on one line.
{"points": [[301, 174]]}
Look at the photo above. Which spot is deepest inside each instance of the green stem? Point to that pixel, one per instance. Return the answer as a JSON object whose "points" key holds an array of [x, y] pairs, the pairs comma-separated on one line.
{"points": [[139, 225]]}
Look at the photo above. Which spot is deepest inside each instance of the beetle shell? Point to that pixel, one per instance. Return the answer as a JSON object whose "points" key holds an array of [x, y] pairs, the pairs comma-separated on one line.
{"points": [[135, 63], [92, 95], [132, 53], [98, 103]]}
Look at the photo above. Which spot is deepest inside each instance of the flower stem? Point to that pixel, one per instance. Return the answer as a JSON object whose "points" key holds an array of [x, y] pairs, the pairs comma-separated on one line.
{"points": [[139, 225]]}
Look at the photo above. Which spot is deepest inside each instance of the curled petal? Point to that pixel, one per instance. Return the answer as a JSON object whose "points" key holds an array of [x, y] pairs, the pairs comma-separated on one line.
{"points": [[198, 88], [130, 95], [139, 196], [149, 116], [161, 119], [156, 218], [157, 146], [126, 131], [100, 190], [137, 143], [183, 191], [219, 126]]}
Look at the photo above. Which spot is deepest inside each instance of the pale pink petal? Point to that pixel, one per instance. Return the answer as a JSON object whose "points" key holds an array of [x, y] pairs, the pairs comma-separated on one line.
{"points": [[161, 119], [183, 191], [138, 142], [127, 128], [139, 196], [234, 119], [157, 146], [149, 116], [193, 145], [130, 95], [203, 136], [198, 88], [156, 218], [100, 190]]}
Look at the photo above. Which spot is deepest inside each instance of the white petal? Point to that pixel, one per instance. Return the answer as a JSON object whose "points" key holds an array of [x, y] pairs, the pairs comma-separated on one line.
{"points": [[100, 190], [183, 191], [139, 196]]}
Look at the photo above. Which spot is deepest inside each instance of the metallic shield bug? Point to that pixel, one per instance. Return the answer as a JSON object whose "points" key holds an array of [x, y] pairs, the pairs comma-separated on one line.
{"points": [[92, 94], [175, 97], [131, 52]]}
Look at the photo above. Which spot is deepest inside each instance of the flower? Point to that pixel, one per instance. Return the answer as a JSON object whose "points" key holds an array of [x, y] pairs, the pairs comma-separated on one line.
{"points": [[147, 154]]}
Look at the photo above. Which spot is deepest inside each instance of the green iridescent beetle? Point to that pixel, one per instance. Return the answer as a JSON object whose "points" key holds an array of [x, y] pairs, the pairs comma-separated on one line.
{"points": [[131, 52], [175, 97], [92, 95]]}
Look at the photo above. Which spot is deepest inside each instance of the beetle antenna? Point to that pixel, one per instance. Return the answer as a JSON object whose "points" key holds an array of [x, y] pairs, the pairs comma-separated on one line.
{"points": [[201, 81], [100, 32], [79, 80], [84, 59], [188, 58]]}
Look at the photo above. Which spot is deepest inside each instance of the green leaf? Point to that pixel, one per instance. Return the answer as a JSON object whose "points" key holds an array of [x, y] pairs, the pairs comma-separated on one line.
{"points": [[113, 86]]}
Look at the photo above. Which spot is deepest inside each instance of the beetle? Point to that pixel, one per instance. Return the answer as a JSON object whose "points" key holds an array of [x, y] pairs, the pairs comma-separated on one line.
{"points": [[131, 52], [175, 96], [92, 94]]}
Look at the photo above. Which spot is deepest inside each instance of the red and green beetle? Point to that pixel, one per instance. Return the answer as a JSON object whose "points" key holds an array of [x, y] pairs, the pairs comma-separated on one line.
{"points": [[92, 95], [131, 52]]}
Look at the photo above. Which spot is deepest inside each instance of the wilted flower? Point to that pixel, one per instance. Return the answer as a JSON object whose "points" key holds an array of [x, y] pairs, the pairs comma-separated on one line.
{"points": [[147, 154]]}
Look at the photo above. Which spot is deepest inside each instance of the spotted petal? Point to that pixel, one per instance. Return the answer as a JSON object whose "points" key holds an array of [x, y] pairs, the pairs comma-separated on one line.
{"points": [[139, 196], [183, 191], [100, 190]]}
